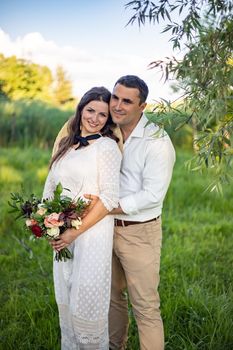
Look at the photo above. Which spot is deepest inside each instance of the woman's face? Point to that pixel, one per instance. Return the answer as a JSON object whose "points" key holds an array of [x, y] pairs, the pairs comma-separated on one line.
{"points": [[94, 117]]}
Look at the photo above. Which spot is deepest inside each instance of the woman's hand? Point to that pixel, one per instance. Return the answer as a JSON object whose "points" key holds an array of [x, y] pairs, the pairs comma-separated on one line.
{"points": [[71, 234], [65, 239]]}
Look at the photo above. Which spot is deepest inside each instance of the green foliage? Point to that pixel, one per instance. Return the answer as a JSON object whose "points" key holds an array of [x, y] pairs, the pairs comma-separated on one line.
{"points": [[196, 281], [189, 14], [26, 122], [181, 137], [23, 79], [71, 208], [63, 89], [20, 206], [204, 76]]}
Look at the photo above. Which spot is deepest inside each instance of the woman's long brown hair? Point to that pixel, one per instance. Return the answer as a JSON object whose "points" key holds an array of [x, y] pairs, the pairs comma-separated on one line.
{"points": [[94, 94]]}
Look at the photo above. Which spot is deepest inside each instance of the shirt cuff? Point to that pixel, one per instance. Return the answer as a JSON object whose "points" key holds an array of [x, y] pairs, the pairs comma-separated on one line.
{"points": [[128, 205]]}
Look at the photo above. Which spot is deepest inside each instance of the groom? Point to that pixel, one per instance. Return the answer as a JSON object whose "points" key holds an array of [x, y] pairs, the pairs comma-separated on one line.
{"points": [[146, 171]]}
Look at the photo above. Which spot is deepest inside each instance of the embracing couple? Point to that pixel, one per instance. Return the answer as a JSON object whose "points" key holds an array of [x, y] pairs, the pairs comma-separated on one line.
{"points": [[108, 152]]}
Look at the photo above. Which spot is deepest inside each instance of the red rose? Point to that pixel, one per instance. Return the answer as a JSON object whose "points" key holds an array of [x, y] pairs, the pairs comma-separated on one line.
{"points": [[36, 230]]}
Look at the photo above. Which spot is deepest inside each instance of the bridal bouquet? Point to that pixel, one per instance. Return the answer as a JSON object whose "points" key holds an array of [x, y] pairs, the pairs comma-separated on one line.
{"points": [[49, 218]]}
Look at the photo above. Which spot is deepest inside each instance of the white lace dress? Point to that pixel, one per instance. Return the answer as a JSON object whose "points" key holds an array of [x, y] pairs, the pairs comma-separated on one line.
{"points": [[82, 285]]}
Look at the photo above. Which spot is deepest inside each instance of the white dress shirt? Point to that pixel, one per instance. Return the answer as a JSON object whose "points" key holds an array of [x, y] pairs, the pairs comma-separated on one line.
{"points": [[146, 170]]}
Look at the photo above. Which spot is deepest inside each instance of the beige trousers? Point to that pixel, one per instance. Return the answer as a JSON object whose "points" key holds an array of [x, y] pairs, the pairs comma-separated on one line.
{"points": [[136, 262]]}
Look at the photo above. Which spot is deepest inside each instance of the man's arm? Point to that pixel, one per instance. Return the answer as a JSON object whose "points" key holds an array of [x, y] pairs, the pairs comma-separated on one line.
{"points": [[62, 133], [156, 175]]}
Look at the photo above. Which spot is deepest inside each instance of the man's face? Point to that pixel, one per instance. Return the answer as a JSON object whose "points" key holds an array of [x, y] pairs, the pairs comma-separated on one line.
{"points": [[125, 106]]}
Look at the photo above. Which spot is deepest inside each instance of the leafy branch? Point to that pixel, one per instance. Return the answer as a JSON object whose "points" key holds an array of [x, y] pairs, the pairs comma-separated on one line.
{"points": [[204, 75]]}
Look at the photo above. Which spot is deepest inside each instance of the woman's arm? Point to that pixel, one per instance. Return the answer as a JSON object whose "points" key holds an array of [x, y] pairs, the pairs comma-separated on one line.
{"points": [[49, 186], [97, 213], [109, 160]]}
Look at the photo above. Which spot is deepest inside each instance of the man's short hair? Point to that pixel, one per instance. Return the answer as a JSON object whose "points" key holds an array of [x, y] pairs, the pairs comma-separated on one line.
{"points": [[132, 81]]}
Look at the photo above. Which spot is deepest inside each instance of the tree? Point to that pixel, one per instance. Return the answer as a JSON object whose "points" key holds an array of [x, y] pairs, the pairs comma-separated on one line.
{"points": [[22, 79], [204, 75], [63, 87]]}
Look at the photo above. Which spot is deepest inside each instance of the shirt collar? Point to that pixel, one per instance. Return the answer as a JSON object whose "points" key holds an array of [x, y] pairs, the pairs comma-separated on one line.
{"points": [[141, 132], [139, 129]]}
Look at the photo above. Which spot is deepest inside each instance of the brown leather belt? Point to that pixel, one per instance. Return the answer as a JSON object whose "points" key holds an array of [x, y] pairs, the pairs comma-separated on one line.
{"points": [[124, 223]]}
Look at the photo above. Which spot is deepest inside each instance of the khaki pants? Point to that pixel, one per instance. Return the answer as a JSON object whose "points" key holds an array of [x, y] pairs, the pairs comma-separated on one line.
{"points": [[136, 262]]}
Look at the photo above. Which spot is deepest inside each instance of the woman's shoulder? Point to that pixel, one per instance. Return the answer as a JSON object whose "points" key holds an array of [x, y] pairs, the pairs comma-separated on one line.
{"points": [[108, 143]]}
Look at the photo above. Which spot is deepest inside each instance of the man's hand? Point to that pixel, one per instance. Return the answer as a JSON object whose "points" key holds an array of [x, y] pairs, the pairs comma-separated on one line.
{"points": [[116, 211]]}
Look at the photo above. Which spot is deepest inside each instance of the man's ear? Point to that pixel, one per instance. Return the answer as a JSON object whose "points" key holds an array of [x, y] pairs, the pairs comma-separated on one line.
{"points": [[143, 106]]}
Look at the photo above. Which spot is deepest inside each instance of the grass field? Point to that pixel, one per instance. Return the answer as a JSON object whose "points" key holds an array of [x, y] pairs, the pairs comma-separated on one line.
{"points": [[196, 266]]}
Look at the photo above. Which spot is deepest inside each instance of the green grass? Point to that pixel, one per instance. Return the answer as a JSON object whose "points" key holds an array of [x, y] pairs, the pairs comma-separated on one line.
{"points": [[196, 278], [196, 264]]}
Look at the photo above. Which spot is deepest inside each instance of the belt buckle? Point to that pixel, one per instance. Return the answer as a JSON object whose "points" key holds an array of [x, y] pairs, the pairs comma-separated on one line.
{"points": [[122, 223]]}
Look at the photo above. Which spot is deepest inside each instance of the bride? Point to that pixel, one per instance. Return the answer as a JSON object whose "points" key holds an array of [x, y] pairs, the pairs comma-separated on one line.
{"points": [[87, 161]]}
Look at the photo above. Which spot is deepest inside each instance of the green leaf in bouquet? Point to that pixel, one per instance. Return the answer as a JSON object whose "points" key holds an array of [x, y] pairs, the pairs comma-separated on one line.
{"points": [[24, 208], [81, 205], [63, 255], [38, 218], [55, 204], [58, 191]]}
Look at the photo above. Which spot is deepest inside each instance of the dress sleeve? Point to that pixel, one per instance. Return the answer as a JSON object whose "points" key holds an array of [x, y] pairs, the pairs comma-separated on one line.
{"points": [[109, 162], [49, 186]]}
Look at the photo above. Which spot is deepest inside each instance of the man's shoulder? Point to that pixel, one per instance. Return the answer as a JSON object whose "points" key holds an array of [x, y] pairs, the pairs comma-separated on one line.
{"points": [[151, 128], [153, 131], [157, 139]]}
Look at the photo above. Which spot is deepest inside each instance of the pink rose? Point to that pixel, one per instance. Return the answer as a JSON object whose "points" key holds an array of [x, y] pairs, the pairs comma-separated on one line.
{"points": [[53, 220]]}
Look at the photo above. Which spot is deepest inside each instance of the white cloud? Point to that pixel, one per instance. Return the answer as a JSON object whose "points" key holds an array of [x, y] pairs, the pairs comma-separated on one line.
{"points": [[85, 69]]}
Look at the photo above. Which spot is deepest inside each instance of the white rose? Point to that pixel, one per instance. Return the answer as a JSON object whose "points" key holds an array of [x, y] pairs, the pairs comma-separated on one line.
{"points": [[41, 211], [53, 232], [30, 222], [76, 223]]}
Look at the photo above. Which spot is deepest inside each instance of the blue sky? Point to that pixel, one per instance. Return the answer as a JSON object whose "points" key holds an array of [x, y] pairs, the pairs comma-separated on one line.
{"points": [[88, 38]]}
